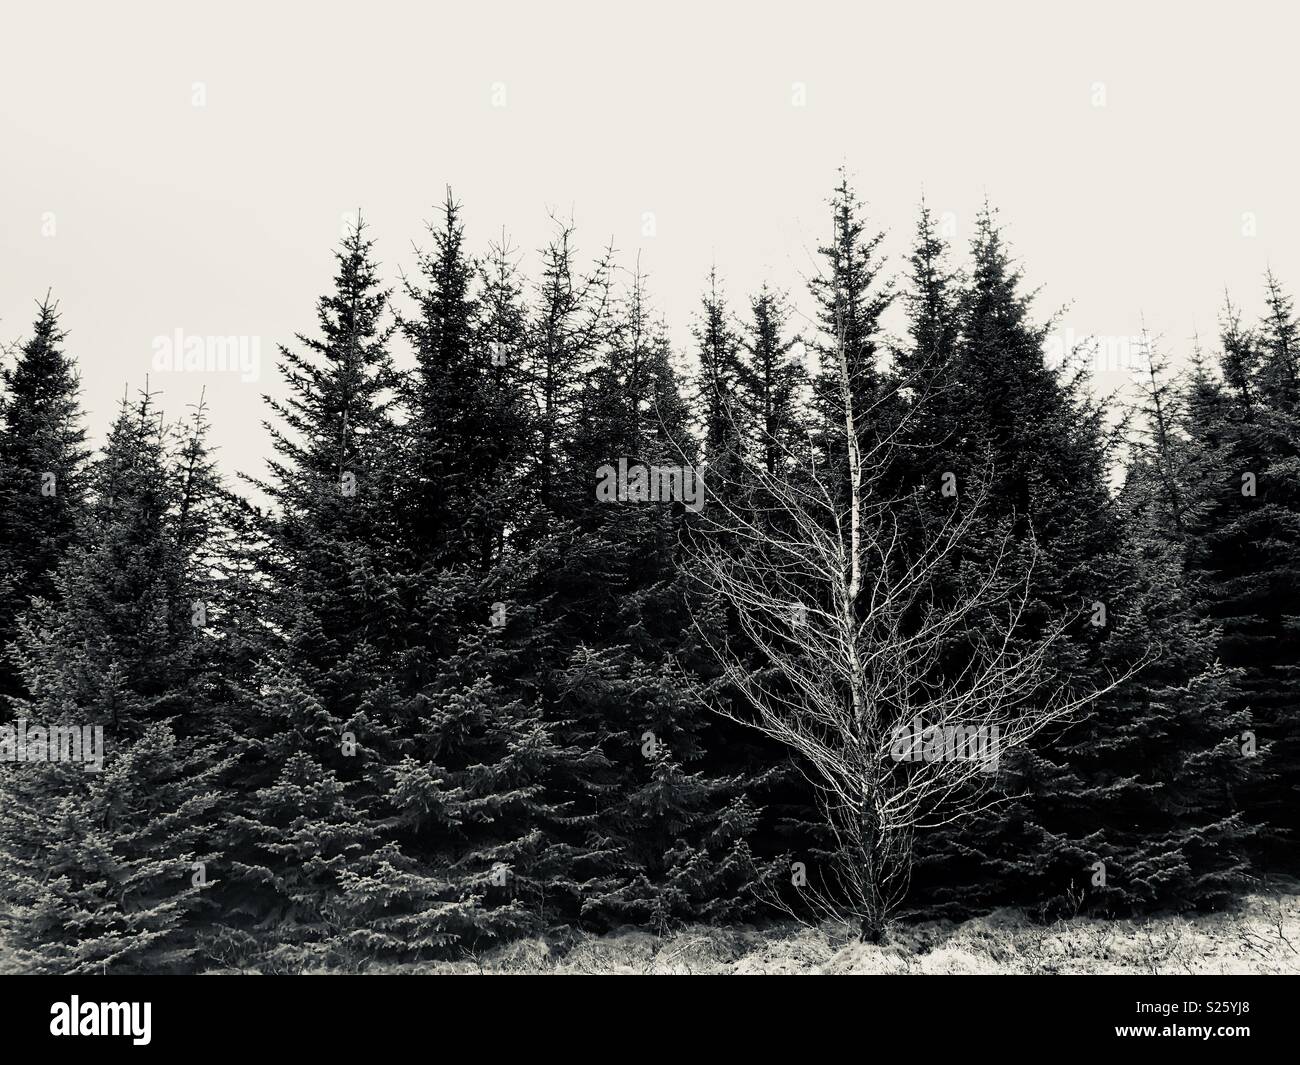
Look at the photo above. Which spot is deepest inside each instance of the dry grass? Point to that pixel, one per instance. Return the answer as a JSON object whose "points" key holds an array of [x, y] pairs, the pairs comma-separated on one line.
{"points": [[1262, 935]]}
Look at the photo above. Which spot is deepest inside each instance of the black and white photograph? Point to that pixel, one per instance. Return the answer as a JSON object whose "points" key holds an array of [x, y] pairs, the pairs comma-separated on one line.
{"points": [[679, 489]]}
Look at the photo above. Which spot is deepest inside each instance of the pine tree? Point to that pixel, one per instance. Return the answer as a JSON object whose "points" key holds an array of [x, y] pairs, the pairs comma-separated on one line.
{"points": [[104, 870], [934, 392], [657, 833], [1243, 489], [1134, 806], [42, 475], [774, 379], [1279, 340], [471, 813], [333, 690], [851, 295], [569, 323], [931, 300], [723, 381], [466, 400], [1162, 443]]}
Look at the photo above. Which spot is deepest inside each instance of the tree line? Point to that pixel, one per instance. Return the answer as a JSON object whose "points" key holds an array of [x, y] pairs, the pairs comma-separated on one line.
{"points": [[438, 691]]}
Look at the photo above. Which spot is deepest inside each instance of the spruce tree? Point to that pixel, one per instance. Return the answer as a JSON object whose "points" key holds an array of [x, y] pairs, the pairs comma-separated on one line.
{"points": [[395, 802], [467, 412], [42, 475], [724, 382], [1242, 470], [1279, 341], [470, 806], [657, 831], [332, 691], [774, 378], [1134, 806], [569, 323], [852, 295], [105, 870], [926, 366], [675, 821]]}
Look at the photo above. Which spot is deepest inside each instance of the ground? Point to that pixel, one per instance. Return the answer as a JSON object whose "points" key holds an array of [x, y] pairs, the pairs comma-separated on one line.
{"points": [[1262, 935]]}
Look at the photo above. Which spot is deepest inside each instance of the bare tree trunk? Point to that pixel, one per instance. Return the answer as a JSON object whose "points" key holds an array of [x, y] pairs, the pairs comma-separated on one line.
{"points": [[848, 637]]}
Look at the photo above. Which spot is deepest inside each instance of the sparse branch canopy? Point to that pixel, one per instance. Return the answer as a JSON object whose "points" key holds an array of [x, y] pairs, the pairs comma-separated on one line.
{"points": [[842, 646]]}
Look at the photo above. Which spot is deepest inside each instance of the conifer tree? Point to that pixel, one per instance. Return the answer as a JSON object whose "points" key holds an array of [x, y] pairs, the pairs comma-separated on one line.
{"points": [[503, 331], [42, 475], [1243, 534], [926, 366], [852, 295], [470, 804], [1279, 340], [332, 691], [774, 378], [569, 323], [466, 401], [673, 836], [445, 385], [103, 870], [657, 833], [1133, 806], [931, 300], [724, 379], [396, 805]]}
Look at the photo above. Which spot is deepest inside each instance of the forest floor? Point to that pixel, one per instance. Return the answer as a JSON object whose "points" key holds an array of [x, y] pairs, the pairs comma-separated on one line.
{"points": [[1262, 935]]}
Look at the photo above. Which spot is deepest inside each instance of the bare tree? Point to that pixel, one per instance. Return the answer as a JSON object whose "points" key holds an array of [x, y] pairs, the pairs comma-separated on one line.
{"points": [[845, 651]]}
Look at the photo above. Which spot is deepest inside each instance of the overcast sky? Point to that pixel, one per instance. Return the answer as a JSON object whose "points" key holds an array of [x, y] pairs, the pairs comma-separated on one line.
{"points": [[1142, 155]]}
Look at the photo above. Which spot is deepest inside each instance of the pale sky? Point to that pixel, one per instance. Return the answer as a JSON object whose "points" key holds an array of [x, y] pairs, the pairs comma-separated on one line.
{"points": [[1143, 156]]}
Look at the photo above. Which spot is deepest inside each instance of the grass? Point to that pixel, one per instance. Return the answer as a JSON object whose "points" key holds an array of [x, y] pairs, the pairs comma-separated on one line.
{"points": [[1261, 935]]}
